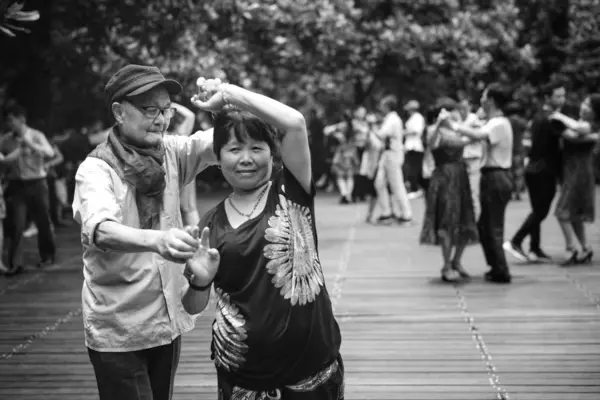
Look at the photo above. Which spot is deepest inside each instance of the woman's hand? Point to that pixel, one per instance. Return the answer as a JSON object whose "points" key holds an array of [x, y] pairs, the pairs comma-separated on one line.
{"points": [[570, 134], [205, 262], [211, 90]]}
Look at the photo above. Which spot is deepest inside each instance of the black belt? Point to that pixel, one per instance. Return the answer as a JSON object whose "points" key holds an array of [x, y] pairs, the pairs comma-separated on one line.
{"points": [[494, 169]]}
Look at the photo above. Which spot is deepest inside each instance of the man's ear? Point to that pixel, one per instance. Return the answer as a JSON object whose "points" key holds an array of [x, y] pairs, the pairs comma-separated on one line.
{"points": [[118, 112]]}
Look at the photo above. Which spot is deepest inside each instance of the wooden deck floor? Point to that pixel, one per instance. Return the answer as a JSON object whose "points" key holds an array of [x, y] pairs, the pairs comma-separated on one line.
{"points": [[406, 335]]}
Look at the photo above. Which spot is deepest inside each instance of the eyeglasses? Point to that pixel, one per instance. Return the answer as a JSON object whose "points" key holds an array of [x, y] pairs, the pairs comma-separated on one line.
{"points": [[152, 112]]}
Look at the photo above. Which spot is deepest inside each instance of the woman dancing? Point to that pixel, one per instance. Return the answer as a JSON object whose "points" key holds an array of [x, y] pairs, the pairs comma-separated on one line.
{"points": [[449, 217], [274, 335], [577, 196]]}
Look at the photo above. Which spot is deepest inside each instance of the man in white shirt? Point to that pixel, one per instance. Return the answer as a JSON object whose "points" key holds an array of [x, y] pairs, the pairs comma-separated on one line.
{"points": [[496, 179], [389, 174], [413, 145], [472, 154]]}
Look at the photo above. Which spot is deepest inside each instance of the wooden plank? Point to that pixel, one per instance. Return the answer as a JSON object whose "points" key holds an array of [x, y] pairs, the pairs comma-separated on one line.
{"points": [[404, 332]]}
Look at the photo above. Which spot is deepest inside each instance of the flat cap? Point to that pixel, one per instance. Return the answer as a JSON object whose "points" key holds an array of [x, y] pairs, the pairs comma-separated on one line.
{"points": [[133, 79]]}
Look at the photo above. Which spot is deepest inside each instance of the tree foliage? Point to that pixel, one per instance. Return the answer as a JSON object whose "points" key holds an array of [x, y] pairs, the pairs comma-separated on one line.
{"points": [[334, 53]]}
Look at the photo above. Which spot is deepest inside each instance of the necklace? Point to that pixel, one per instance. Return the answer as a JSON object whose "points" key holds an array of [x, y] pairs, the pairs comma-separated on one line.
{"points": [[255, 204]]}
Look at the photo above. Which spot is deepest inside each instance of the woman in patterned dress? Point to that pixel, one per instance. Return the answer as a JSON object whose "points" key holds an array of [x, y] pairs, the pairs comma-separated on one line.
{"points": [[274, 335], [449, 217], [345, 163], [576, 203]]}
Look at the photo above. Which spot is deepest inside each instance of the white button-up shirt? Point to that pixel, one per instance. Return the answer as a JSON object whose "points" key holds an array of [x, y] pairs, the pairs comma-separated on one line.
{"points": [[392, 130], [132, 301], [415, 124]]}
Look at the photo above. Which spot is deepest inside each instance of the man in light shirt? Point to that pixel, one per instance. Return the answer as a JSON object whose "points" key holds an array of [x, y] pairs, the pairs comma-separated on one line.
{"points": [[27, 192], [134, 247], [413, 146], [389, 174], [496, 181], [472, 153]]}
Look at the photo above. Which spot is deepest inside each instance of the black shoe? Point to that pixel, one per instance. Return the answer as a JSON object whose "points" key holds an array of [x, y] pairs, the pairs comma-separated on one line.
{"points": [[586, 257], [403, 220], [385, 220], [46, 263], [14, 271], [497, 277], [572, 258], [539, 255]]}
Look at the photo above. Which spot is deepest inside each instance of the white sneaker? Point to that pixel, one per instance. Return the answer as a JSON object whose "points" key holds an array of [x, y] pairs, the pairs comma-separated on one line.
{"points": [[415, 195], [31, 231], [514, 251]]}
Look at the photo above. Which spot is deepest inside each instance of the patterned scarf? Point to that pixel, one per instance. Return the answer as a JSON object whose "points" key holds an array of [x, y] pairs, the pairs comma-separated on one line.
{"points": [[142, 169]]}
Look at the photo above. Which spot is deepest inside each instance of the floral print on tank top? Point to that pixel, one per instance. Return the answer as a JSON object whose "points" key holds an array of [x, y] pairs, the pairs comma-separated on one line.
{"points": [[293, 263]]}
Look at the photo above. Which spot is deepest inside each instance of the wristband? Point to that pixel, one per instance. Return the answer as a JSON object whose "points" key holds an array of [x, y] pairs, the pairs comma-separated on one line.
{"points": [[197, 288]]}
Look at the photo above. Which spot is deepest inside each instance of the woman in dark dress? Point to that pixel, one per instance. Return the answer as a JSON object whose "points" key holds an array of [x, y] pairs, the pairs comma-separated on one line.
{"points": [[576, 204], [449, 217], [274, 335]]}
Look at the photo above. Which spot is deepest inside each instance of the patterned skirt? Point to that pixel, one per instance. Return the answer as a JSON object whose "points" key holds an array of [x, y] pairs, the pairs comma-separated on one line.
{"points": [[2, 206], [449, 206], [518, 173], [577, 192], [327, 384]]}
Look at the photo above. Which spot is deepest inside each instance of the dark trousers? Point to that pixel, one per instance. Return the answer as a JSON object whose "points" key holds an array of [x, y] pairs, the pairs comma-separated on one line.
{"points": [[495, 193], [137, 375], [53, 201], [28, 198], [412, 169], [542, 188]]}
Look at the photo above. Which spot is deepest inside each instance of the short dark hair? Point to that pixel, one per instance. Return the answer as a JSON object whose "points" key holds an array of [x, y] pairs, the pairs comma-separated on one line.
{"points": [[500, 94], [447, 103], [390, 101], [595, 105], [549, 88], [243, 125], [15, 109]]}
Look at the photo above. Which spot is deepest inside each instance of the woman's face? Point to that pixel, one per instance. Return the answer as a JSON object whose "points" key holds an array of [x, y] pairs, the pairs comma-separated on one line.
{"points": [[360, 113], [246, 165], [585, 111]]}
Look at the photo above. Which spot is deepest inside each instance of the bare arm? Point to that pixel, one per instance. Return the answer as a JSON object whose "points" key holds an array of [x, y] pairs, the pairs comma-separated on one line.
{"points": [[39, 144], [573, 136], [329, 129], [471, 132], [10, 157], [295, 151], [57, 159], [187, 126], [195, 301], [580, 127]]}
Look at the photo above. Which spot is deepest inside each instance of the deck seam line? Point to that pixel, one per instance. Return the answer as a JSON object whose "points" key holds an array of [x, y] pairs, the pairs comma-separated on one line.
{"points": [[588, 294], [340, 276], [27, 280], [40, 334], [494, 379]]}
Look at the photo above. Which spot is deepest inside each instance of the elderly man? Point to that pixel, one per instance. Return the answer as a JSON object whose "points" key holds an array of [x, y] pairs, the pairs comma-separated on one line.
{"points": [[127, 202]]}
